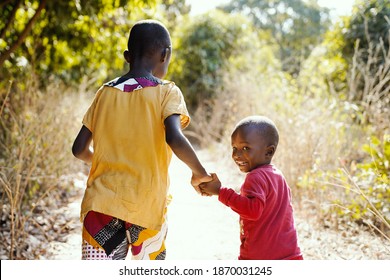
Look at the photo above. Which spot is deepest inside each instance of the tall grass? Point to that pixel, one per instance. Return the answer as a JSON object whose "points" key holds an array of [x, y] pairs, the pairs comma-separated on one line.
{"points": [[370, 84], [37, 127]]}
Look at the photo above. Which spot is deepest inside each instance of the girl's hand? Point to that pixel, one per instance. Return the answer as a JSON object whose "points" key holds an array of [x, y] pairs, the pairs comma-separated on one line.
{"points": [[196, 180]]}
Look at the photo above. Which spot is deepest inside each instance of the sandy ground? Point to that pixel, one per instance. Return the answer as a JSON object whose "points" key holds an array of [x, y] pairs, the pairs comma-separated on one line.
{"points": [[201, 228]]}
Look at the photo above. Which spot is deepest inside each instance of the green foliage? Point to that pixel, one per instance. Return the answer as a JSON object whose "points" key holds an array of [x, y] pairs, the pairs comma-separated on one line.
{"points": [[296, 26], [367, 51], [380, 159], [369, 24], [324, 72], [360, 194], [360, 76], [207, 46], [89, 38], [172, 12]]}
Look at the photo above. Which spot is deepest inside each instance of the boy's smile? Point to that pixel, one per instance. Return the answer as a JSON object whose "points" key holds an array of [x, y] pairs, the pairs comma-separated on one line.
{"points": [[249, 149]]}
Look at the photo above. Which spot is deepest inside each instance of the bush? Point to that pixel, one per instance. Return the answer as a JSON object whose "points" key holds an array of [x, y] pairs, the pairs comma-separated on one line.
{"points": [[359, 192], [206, 47]]}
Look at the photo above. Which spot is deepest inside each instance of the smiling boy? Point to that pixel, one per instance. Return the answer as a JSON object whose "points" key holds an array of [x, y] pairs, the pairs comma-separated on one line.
{"points": [[264, 203]]}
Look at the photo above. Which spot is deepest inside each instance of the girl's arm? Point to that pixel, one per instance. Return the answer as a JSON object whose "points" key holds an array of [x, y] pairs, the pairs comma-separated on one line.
{"points": [[184, 150], [81, 146]]}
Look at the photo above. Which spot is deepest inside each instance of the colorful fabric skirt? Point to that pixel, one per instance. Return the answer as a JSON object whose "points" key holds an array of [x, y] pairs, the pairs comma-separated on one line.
{"points": [[109, 238]]}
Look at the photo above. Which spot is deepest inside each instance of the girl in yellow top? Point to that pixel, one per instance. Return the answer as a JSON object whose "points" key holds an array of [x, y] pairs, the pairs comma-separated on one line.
{"points": [[134, 123]]}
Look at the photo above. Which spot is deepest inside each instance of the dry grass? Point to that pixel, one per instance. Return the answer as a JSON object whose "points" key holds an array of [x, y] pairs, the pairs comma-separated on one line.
{"points": [[369, 84], [36, 135]]}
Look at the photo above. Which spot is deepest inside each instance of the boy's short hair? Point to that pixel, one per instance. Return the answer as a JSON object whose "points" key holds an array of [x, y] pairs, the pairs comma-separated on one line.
{"points": [[263, 125], [146, 37]]}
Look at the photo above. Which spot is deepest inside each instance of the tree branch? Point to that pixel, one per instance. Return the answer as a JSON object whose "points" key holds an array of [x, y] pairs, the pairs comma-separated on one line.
{"points": [[10, 19], [5, 3], [4, 56]]}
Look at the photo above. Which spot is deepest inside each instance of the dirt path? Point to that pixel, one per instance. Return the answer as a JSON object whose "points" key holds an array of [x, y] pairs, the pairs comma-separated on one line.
{"points": [[201, 228]]}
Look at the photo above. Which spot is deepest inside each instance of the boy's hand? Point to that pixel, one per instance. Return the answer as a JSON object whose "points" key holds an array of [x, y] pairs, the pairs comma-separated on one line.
{"points": [[211, 187], [196, 180]]}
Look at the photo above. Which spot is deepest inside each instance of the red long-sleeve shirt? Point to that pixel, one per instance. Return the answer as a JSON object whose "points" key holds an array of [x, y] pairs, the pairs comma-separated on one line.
{"points": [[266, 215]]}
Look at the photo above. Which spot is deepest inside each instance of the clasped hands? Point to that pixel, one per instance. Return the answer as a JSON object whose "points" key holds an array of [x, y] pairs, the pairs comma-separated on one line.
{"points": [[207, 186]]}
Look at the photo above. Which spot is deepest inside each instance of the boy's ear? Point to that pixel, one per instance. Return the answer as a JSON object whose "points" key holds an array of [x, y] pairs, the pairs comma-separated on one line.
{"points": [[270, 151]]}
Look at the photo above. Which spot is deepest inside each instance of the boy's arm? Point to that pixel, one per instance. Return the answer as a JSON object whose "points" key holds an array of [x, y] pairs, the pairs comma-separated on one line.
{"points": [[249, 207], [184, 150], [81, 145]]}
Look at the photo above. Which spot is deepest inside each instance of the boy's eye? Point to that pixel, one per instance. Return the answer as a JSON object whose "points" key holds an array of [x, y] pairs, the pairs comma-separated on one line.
{"points": [[245, 148]]}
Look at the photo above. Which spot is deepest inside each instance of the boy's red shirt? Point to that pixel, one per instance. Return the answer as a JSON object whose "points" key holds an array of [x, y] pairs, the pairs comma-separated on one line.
{"points": [[266, 215]]}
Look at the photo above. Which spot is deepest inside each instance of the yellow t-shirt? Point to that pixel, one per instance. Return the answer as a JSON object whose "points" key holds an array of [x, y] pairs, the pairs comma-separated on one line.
{"points": [[129, 173]]}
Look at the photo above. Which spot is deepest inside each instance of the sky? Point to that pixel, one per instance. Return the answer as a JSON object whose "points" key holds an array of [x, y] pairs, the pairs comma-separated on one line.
{"points": [[338, 7]]}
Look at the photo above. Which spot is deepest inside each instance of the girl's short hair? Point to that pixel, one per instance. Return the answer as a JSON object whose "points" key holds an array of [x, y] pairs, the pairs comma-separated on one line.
{"points": [[148, 37]]}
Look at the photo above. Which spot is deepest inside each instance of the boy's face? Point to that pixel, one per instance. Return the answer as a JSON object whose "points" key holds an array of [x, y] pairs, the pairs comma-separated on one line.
{"points": [[250, 149]]}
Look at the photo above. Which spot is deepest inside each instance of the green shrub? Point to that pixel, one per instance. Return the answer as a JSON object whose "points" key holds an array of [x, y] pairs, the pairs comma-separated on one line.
{"points": [[359, 193]]}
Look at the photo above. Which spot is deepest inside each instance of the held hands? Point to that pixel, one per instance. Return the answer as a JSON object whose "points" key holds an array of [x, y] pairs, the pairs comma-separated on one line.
{"points": [[196, 180], [206, 185], [211, 187]]}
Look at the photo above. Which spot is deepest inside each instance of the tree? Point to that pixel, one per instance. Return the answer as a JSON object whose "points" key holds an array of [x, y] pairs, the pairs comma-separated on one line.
{"points": [[173, 11], [324, 73], [210, 45], [296, 26], [367, 38], [10, 10], [201, 49], [370, 24], [66, 39]]}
